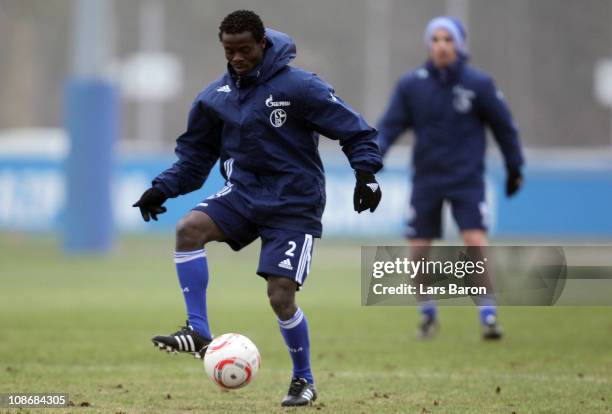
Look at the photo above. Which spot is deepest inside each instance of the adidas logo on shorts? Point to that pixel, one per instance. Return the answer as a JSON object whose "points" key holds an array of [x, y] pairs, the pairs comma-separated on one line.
{"points": [[286, 264]]}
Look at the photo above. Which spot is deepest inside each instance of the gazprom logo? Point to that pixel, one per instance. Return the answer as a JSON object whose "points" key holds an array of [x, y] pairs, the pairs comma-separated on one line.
{"points": [[271, 103]]}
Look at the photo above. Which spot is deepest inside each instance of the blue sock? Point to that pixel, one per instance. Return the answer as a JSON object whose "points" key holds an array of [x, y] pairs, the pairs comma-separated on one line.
{"points": [[487, 309], [429, 309], [295, 333], [488, 314], [192, 271]]}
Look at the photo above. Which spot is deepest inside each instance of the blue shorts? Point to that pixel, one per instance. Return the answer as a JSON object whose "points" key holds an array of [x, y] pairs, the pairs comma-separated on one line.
{"points": [[468, 206], [285, 253]]}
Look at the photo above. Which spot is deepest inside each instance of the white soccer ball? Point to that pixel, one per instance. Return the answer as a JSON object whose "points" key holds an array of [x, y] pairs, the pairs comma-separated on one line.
{"points": [[232, 361]]}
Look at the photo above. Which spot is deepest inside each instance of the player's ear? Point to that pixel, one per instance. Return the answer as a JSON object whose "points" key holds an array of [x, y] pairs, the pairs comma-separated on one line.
{"points": [[263, 43]]}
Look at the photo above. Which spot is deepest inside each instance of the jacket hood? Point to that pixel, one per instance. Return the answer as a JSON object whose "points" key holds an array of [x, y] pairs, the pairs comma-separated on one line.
{"points": [[280, 51]]}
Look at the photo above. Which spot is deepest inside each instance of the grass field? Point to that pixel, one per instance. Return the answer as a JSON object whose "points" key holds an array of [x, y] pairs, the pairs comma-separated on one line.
{"points": [[82, 326]]}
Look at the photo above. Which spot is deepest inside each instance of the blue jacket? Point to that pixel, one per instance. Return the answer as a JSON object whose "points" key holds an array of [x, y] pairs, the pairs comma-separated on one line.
{"points": [[448, 111], [264, 128]]}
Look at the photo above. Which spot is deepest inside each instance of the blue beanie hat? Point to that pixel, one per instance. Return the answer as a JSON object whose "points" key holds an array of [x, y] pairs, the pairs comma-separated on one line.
{"points": [[451, 25]]}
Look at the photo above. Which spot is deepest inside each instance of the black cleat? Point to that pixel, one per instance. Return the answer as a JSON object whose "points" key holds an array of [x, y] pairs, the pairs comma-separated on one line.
{"points": [[428, 328], [491, 332], [183, 340], [300, 393]]}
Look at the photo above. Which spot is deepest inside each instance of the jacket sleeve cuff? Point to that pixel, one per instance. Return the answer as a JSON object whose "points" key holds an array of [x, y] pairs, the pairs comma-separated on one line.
{"points": [[367, 167], [514, 167], [163, 188]]}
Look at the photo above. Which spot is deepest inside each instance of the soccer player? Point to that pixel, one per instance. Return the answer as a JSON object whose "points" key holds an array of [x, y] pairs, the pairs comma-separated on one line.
{"points": [[448, 104], [261, 119]]}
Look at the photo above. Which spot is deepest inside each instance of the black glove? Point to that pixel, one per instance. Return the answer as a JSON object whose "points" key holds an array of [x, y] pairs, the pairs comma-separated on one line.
{"points": [[367, 192], [150, 203], [513, 182]]}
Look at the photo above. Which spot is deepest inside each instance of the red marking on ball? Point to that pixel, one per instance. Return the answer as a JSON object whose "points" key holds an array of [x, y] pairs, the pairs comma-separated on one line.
{"points": [[219, 370]]}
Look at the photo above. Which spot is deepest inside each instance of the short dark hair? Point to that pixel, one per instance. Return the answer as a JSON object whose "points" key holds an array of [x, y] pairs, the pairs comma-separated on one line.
{"points": [[241, 21]]}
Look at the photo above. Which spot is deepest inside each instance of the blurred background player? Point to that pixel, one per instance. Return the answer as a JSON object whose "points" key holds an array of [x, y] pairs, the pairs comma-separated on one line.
{"points": [[448, 104], [261, 119]]}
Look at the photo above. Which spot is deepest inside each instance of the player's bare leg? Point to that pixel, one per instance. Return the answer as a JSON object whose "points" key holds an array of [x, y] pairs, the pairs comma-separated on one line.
{"points": [[476, 241], [281, 293], [192, 233], [196, 229], [294, 328], [474, 238]]}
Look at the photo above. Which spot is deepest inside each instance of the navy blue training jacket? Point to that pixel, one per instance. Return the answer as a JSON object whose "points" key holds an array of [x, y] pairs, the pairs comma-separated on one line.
{"points": [[448, 111], [264, 127]]}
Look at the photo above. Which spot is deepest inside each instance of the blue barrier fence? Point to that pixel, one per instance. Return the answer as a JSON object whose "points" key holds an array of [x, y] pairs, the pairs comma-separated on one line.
{"points": [[558, 202], [93, 126]]}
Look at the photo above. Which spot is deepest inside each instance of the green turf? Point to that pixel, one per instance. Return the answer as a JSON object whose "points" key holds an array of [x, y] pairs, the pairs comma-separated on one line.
{"points": [[82, 326]]}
